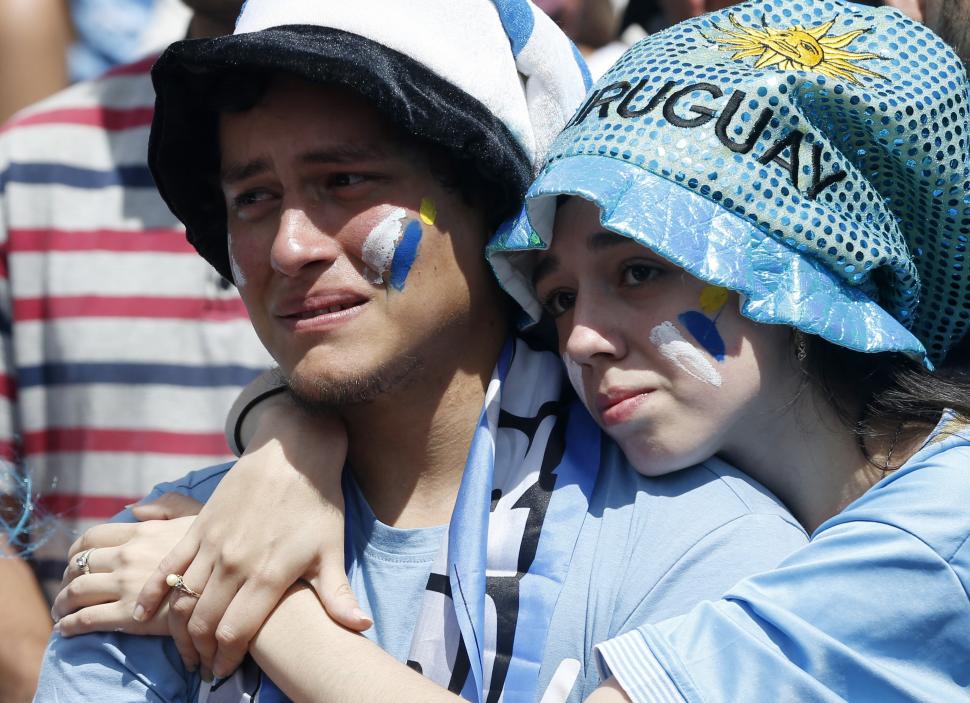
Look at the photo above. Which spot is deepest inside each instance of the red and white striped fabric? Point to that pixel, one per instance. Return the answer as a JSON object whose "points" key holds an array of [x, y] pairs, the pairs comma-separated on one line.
{"points": [[122, 349]]}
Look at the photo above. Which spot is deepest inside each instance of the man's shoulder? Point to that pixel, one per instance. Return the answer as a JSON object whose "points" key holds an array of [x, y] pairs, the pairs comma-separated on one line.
{"points": [[650, 528], [653, 547], [199, 485], [713, 491]]}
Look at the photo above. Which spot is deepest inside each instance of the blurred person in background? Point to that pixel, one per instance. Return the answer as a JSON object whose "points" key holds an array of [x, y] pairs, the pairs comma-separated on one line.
{"points": [[589, 23], [121, 349], [111, 33], [34, 39], [47, 44], [654, 15], [948, 18]]}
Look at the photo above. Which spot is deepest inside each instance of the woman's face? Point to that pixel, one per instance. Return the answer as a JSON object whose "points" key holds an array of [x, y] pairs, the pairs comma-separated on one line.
{"points": [[664, 361]]}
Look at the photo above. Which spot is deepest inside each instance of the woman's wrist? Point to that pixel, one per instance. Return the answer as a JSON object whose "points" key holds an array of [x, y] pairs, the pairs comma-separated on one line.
{"points": [[312, 658]]}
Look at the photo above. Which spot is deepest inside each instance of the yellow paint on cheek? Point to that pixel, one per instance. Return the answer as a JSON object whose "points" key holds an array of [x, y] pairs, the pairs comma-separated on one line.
{"points": [[429, 213], [713, 298]]}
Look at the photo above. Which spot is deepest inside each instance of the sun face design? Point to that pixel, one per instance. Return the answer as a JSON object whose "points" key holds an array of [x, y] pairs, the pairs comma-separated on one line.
{"points": [[798, 48]]}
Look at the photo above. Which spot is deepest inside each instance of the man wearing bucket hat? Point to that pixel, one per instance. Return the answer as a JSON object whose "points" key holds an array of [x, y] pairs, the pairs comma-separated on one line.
{"points": [[94, 271], [361, 154], [813, 158]]}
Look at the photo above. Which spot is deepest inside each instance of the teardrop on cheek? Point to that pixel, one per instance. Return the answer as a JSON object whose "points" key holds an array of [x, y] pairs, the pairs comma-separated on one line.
{"points": [[238, 277]]}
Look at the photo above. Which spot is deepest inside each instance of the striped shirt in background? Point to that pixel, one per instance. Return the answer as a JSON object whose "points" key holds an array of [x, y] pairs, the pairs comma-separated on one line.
{"points": [[122, 349]]}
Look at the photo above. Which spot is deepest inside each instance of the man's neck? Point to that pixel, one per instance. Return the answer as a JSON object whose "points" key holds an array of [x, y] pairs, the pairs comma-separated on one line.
{"points": [[408, 448]]}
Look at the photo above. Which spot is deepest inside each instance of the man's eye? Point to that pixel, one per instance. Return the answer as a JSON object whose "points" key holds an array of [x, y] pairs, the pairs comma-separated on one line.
{"points": [[245, 202], [558, 302], [345, 180], [635, 274]]}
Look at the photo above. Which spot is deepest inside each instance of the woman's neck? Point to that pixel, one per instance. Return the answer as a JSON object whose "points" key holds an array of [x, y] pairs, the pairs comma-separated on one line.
{"points": [[814, 463]]}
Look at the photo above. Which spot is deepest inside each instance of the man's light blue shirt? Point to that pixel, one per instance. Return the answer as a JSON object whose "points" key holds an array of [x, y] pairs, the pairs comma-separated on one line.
{"points": [[649, 549]]}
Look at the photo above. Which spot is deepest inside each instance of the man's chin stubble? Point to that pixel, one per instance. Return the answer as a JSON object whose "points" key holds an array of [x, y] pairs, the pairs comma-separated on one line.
{"points": [[332, 394]]}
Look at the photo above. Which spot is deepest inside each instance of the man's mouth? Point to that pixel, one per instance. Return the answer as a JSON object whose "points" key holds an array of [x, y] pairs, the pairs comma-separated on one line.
{"points": [[320, 312], [308, 314]]}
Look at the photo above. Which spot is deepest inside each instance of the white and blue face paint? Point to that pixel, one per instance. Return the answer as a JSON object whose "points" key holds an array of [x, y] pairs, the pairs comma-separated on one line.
{"points": [[391, 248], [683, 354]]}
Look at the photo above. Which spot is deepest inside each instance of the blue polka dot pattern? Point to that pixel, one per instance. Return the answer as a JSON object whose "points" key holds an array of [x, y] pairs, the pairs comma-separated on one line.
{"points": [[838, 130]]}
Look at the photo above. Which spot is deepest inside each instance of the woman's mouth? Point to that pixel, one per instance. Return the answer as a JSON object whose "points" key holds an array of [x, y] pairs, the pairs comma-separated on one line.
{"points": [[616, 406]]}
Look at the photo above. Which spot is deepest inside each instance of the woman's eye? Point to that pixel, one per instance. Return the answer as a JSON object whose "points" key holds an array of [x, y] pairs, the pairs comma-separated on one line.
{"points": [[635, 274], [558, 302]]}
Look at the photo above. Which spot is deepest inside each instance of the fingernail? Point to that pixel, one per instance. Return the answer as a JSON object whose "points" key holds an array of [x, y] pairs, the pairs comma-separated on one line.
{"points": [[139, 613], [57, 627], [361, 615]]}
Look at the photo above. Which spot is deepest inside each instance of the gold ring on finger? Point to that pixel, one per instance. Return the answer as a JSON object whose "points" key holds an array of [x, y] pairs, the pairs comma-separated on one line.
{"points": [[175, 581]]}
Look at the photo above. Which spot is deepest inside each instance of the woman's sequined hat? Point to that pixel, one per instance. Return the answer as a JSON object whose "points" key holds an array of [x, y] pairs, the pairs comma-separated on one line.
{"points": [[810, 155]]}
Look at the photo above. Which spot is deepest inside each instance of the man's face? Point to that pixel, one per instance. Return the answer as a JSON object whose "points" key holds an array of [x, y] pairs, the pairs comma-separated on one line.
{"points": [[359, 269]]}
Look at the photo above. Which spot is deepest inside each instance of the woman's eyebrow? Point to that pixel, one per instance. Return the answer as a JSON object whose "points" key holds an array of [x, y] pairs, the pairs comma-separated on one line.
{"points": [[605, 240], [548, 265]]}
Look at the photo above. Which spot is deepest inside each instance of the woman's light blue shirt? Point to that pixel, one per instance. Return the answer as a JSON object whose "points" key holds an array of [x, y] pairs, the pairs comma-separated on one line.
{"points": [[874, 608]]}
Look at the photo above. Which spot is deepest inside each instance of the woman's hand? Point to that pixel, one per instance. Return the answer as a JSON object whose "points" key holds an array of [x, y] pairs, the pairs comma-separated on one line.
{"points": [[275, 518], [120, 558]]}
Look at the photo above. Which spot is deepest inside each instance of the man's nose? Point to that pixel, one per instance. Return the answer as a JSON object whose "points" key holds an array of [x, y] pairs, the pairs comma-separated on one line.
{"points": [[300, 243]]}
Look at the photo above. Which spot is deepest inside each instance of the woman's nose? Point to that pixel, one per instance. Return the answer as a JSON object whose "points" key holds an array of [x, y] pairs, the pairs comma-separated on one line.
{"points": [[592, 334]]}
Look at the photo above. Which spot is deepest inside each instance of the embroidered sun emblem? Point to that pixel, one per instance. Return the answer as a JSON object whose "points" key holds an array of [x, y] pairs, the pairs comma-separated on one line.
{"points": [[798, 48]]}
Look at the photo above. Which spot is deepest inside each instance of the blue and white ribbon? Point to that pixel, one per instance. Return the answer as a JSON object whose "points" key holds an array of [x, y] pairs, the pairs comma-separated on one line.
{"points": [[521, 475]]}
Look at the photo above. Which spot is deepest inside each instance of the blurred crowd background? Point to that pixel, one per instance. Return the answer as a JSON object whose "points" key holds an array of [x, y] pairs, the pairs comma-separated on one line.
{"points": [[73, 183], [47, 44]]}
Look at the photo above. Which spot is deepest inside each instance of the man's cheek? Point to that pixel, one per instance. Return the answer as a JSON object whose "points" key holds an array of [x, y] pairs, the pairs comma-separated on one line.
{"points": [[391, 246], [247, 261]]}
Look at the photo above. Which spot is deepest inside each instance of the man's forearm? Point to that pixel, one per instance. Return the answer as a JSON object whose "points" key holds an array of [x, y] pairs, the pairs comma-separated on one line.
{"points": [[314, 660], [26, 629]]}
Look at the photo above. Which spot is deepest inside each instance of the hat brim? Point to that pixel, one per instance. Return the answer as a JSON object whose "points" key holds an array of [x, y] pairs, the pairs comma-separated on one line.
{"points": [[183, 151], [778, 285]]}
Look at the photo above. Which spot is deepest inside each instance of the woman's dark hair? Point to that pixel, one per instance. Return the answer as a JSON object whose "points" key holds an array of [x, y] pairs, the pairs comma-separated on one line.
{"points": [[878, 396]]}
